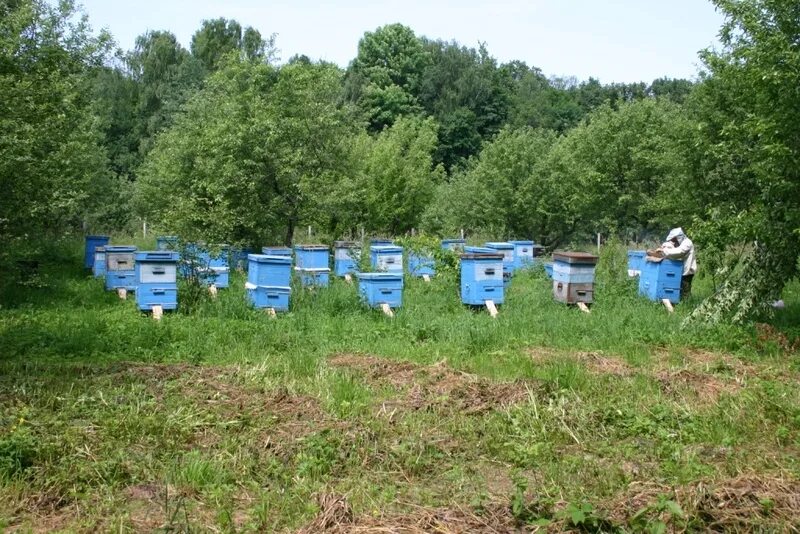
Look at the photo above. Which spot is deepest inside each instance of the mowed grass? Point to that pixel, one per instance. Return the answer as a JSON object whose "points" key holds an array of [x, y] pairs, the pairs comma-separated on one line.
{"points": [[334, 417]]}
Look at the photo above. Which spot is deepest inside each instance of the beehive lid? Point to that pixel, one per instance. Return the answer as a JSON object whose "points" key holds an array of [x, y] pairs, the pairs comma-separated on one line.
{"points": [[379, 276], [575, 257], [311, 247], [499, 244], [120, 248], [268, 258], [386, 248], [482, 256], [480, 250], [100, 248], [157, 256], [521, 242], [345, 244]]}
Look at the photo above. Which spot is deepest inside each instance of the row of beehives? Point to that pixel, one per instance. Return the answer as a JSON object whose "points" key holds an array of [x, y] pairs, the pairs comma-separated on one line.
{"points": [[152, 275]]}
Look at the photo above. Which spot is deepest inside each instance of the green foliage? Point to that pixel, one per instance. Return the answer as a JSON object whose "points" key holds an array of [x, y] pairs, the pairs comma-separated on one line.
{"points": [[284, 129], [52, 165], [218, 38], [746, 153]]}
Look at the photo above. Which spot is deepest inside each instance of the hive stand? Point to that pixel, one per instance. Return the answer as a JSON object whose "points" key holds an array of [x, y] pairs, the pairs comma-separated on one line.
{"points": [[387, 310], [492, 308], [158, 312], [668, 305], [213, 290], [122, 293]]}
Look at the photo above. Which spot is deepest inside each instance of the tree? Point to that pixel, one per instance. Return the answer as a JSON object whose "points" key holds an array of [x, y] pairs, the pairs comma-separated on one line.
{"points": [[51, 160], [385, 75], [166, 75], [244, 161], [747, 173], [400, 175], [218, 38]]}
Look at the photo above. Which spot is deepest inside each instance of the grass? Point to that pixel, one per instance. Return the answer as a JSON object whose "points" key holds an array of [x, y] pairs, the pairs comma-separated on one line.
{"points": [[335, 417]]}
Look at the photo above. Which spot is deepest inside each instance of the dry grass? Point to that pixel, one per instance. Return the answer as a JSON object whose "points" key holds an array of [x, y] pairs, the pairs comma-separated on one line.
{"points": [[435, 387]]}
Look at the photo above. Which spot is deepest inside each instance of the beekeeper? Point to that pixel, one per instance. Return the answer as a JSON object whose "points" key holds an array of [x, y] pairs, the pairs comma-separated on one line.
{"points": [[679, 247]]}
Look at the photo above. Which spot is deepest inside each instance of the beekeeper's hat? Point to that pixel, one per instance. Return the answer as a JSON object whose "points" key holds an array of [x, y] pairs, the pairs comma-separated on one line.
{"points": [[676, 233]]}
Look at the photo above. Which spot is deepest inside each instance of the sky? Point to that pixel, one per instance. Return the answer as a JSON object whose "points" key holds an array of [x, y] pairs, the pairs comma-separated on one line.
{"points": [[612, 40]]}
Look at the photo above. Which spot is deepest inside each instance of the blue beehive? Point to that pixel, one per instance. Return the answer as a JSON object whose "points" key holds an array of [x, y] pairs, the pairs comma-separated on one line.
{"points": [[635, 260], [120, 267], [479, 250], [381, 288], [312, 256], [507, 250], [523, 254], [92, 242], [346, 255], [267, 270], [268, 281], [311, 277], [482, 278], [387, 258], [548, 269], [274, 297], [156, 276], [661, 279], [454, 244], [167, 242], [213, 269], [421, 265], [99, 266]]}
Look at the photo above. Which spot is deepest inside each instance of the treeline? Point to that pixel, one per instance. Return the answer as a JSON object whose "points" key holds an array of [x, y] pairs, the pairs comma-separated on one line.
{"points": [[220, 142]]}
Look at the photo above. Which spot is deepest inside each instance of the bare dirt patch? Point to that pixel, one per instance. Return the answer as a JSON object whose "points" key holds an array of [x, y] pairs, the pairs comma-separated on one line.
{"points": [[335, 516], [436, 386], [708, 388]]}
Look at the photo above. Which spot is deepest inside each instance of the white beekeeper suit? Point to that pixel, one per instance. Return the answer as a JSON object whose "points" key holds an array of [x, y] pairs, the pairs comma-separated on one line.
{"points": [[684, 250], [680, 247]]}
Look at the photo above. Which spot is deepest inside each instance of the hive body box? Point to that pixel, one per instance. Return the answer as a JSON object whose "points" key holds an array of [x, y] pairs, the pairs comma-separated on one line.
{"points": [[346, 255], [482, 278], [217, 271], [387, 258], [456, 245], [381, 288], [92, 242], [661, 280], [120, 267], [312, 264], [312, 256], [573, 277], [156, 280], [167, 242], [268, 281], [523, 254], [421, 265], [507, 250], [635, 261], [99, 266]]}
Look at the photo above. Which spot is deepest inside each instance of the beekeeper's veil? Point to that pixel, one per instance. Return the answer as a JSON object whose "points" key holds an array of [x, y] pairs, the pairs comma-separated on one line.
{"points": [[676, 233]]}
